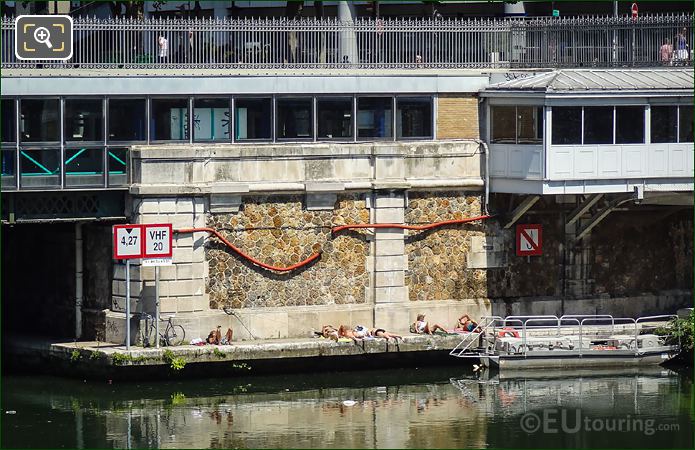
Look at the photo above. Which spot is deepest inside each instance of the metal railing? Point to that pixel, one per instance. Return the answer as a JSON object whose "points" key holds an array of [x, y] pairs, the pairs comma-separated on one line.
{"points": [[542, 42]]}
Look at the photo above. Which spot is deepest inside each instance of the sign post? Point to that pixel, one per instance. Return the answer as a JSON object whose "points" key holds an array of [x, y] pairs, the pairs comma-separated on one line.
{"points": [[158, 252], [127, 244]]}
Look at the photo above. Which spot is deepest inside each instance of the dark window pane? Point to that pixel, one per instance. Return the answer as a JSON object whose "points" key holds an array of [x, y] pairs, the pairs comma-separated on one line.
{"points": [[9, 171], [629, 124], [598, 125], [84, 119], [529, 124], [252, 118], [375, 117], [414, 117], [39, 168], [211, 119], [567, 125], [127, 119], [685, 123], [40, 120], [664, 124], [117, 162], [169, 120], [84, 166], [9, 120], [294, 118], [334, 117], [503, 122]]}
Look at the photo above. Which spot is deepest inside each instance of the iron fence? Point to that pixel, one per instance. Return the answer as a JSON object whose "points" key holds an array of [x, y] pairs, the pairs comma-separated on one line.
{"points": [[543, 42]]}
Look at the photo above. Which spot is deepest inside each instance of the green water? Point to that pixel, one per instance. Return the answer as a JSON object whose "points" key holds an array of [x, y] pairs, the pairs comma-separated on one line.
{"points": [[407, 408]]}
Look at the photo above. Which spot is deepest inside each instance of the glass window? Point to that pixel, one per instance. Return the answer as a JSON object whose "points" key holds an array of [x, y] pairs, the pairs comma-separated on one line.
{"points": [[8, 168], [334, 118], [629, 124], [503, 121], [211, 119], [127, 119], [598, 125], [529, 124], [40, 120], [9, 120], [117, 162], [252, 118], [375, 117], [685, 124], [39, 167], [414, 117], [664, 124], [84, 166], [567, 125], [294, 120], [169, 119], [84, 119]]}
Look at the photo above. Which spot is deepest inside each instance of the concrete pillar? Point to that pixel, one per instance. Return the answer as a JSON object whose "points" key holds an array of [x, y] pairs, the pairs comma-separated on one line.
{"points": [[348, 39]]}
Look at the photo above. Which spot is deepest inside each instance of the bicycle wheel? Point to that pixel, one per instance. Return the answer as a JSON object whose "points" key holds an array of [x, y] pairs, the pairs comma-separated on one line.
{"points": [[175, 335]]}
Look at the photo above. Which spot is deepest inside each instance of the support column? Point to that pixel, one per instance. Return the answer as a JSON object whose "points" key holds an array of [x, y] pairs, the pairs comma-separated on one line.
{"points": [[78, 280], [348, 40]]}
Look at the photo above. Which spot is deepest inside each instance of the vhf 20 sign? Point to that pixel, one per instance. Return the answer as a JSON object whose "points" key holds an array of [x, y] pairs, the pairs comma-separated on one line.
{"points": [[142, 241]]}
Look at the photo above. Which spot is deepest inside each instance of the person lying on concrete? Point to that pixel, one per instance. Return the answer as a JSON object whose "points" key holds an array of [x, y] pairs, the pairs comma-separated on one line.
{"points": [[215, 336], [380, 332], [329, 332], [465, 323], [422, 327]]}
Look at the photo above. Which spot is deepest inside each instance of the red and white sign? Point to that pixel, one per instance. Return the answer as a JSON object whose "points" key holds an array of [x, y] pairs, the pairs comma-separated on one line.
{"points": [[634, 10], [529, 240], [142, 241], [158, 240], [127, 242]]}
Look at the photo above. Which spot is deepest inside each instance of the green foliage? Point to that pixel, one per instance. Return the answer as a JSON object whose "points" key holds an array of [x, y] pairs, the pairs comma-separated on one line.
{"points": [[121, 359], [176, 363], [75, 355], [178, 398], [97, 355], [220, 354], [683, 329]]}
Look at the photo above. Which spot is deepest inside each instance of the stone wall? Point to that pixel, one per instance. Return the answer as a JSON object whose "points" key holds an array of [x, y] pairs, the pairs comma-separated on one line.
{"points": [[437, 259], [278, 230]]}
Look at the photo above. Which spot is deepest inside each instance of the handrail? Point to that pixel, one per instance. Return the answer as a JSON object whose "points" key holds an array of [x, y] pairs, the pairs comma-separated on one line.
{"points": [[579, 316]]}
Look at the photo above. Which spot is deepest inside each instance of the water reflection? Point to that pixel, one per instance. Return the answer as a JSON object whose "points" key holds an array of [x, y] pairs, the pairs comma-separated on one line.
{"points": [[402, 409]]}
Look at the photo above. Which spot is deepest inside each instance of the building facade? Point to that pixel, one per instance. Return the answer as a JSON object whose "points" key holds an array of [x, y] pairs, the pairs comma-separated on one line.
{"points": [[356, 171]]}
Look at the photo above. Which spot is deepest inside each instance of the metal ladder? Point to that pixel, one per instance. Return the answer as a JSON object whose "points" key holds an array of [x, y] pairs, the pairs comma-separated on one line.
{"points": [[460, 351]]}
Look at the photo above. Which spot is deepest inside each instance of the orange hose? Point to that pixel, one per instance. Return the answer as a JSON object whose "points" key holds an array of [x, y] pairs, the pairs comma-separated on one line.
{"points": [[408, 227], [249, 257]]}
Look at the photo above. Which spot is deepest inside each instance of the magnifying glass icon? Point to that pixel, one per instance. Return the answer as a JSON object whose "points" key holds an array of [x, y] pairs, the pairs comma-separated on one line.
{"points": [[43, 36]]}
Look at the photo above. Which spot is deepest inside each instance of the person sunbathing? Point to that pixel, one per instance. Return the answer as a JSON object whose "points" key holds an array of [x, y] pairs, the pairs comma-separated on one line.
{"points": [[329, 332], [422, 327], [215, 336], [380, 332], [465, 323]]}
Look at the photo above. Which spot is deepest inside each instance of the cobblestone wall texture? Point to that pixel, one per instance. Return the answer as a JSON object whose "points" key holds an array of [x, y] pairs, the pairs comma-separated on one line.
{"points": [[278, 230], [437, 267]]}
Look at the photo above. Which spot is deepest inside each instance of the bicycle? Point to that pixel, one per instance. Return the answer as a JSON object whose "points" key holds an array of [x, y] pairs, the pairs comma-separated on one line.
{"points": [[171, 335]]}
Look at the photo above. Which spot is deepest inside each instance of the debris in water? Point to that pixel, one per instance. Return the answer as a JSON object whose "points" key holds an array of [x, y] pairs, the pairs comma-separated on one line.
{"points": [[11, 412], [349, 402]]}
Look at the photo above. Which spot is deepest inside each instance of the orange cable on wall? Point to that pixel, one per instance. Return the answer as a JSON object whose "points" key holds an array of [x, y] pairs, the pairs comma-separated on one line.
{"points": [[335, 230]]}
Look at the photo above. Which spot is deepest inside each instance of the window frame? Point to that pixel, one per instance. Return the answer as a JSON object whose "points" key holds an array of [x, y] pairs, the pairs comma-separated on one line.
{"points": [[271, 124], [112, 142], [353, 119], [150, 118], [392, 137], [432, 114], [312, 119]]}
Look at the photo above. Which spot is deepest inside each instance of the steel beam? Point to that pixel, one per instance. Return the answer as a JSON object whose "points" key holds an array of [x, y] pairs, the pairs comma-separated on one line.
{"points": [[520, 210], [583, 208], [600, 215]]}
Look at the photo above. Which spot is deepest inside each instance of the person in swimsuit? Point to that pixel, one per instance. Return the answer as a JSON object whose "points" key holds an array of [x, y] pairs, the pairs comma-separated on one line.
{"points": [[380, 332], [465, 323], [422, 327], [329, 332]]}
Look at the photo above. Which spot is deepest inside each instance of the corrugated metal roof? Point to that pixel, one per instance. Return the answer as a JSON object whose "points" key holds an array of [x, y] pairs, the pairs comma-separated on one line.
{"points": [[578, 80]]}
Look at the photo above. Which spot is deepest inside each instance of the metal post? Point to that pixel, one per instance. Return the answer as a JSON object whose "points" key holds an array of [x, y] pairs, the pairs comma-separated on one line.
{"points": [[156, 304], [78, 280], [127, 304]]}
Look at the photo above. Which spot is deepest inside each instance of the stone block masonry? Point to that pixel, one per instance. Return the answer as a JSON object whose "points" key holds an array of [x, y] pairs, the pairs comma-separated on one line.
{"points": [[279, 230]]}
